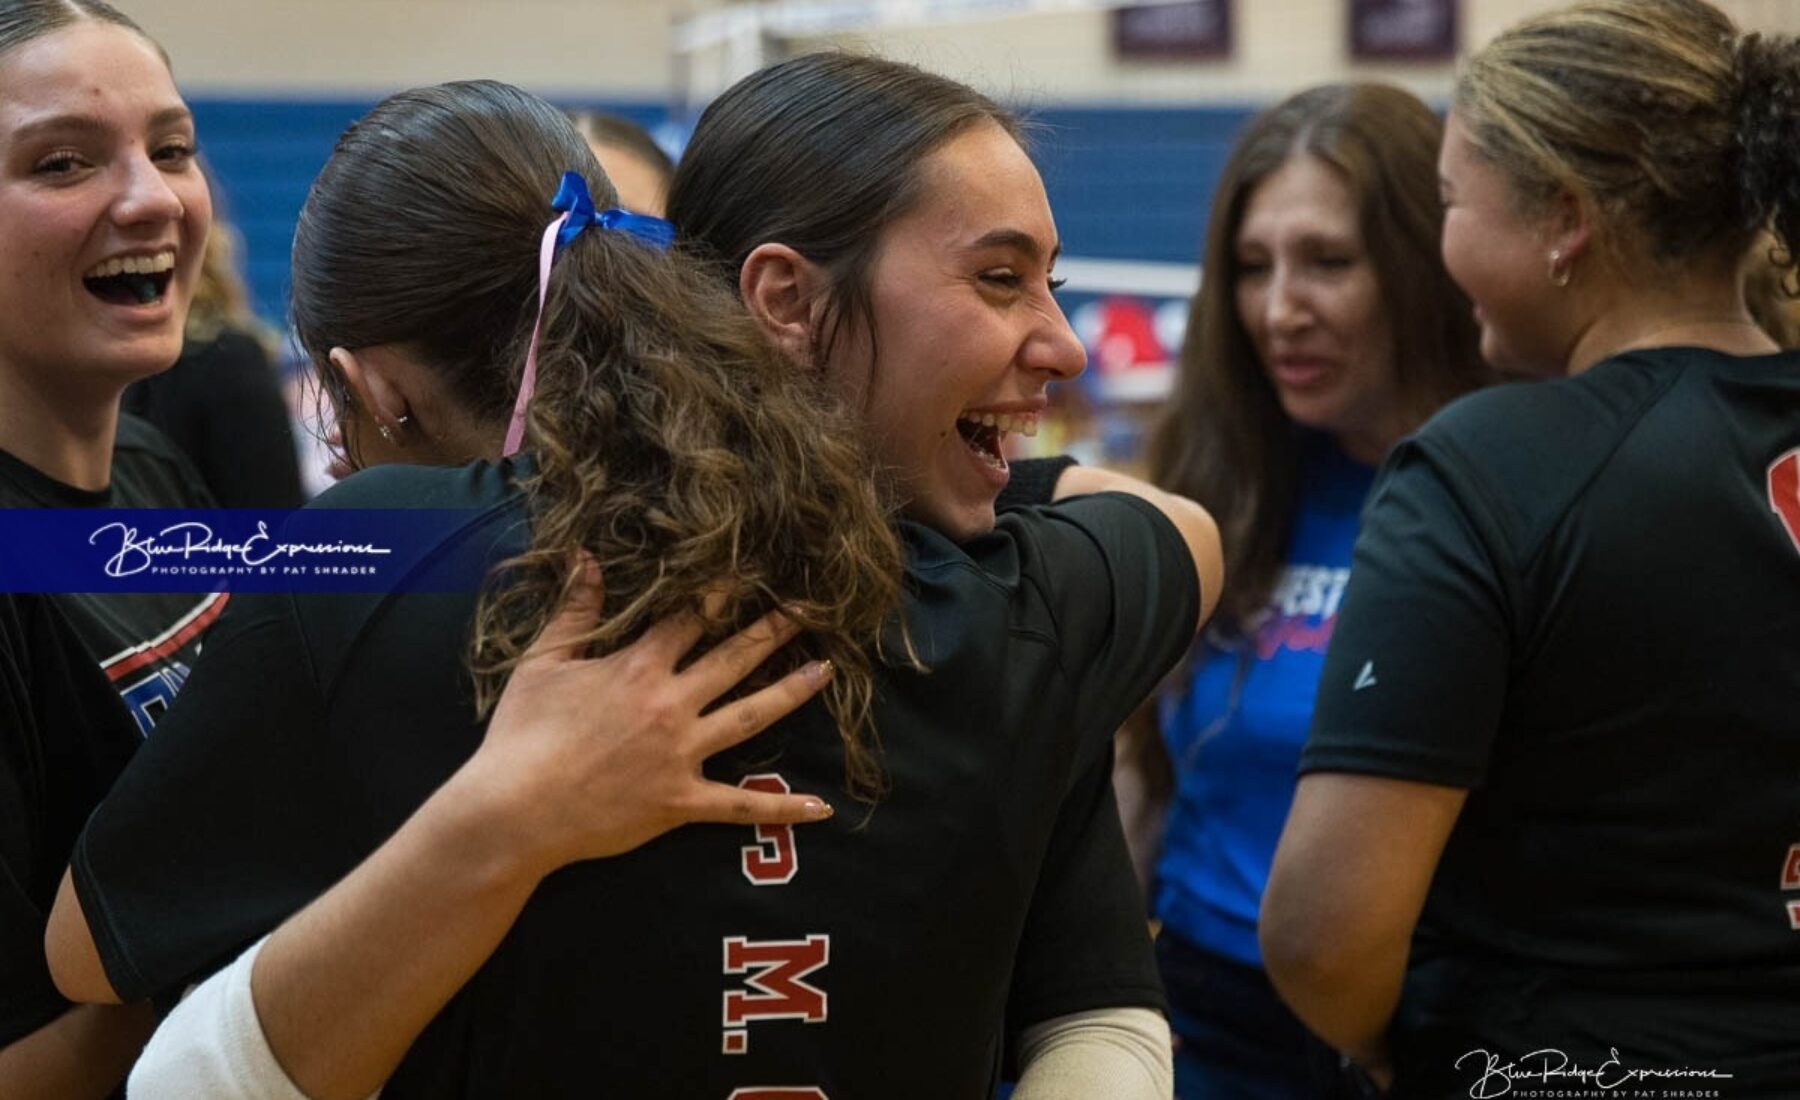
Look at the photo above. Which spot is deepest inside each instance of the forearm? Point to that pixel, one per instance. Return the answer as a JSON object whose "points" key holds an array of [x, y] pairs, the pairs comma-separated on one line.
{"points": [[1350, 1008], [1119, 1053], [345, 986], [82, 1053]]}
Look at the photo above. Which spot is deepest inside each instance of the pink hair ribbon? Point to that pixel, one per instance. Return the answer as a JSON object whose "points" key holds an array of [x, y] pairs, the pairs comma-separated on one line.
{"points": [[577, 208]]}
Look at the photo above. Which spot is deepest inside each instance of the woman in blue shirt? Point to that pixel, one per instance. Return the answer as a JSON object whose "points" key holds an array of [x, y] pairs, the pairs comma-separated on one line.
{"points": [[1326, 329]]}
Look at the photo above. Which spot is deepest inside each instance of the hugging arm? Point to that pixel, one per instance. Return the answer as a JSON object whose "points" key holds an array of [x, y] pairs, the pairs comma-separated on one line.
{"points": [[1195, 524], [341, 990]]}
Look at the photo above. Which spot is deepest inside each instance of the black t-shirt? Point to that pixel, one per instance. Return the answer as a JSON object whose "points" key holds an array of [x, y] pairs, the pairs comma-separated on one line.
{"points": [[145, 641], [1581, 599], [64, 736], [868, 958], [221, 404]]}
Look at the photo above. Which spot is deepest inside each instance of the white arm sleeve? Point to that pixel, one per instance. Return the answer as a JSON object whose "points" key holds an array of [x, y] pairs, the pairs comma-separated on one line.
{"points": [[212, 1046], [1118, 1053]]}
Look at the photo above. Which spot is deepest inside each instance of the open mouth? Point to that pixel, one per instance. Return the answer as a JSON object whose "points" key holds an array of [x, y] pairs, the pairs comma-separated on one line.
{"points": [[132, 280], [985, 433]]}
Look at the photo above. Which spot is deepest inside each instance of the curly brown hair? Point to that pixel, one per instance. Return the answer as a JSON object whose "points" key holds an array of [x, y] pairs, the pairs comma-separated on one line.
{"points": [[671, 442]]}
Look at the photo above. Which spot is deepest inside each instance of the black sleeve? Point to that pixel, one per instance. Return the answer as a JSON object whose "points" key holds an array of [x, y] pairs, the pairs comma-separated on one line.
{"points": [[64, 736], [1033, 481], [1416, 675], [230, 818], [1120, 589], [1086, 942], [246, 451]]}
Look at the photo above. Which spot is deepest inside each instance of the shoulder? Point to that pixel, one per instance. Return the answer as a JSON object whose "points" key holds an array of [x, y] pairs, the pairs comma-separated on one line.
{"points": [[1101, 531], [138, 440], [149, 470], [1503, 426], [1526, 452]]}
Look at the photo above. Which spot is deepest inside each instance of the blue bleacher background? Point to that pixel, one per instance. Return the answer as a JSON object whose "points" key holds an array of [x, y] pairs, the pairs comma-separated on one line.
{"points": [[1126, 183]]}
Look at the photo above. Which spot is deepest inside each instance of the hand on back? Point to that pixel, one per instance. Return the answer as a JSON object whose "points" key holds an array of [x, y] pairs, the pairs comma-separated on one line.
{"points": [[591, 757]]}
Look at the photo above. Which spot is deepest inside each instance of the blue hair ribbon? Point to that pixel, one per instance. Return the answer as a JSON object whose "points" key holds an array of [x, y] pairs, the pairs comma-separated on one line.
{"points": [[576, 207], [572, 198]]}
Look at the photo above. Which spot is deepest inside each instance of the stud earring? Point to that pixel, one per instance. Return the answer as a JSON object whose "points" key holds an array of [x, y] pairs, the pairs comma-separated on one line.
{"points": [[1559, 274], [391, 435]]}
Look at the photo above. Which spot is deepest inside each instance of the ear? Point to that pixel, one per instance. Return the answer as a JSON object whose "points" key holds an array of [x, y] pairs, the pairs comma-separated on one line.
{"points": [[784, 291], [1569, 225], [372, 388]]}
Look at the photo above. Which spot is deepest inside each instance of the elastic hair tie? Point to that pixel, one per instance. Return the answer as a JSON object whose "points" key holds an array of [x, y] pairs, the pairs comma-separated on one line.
{"points": [[578, 214]]}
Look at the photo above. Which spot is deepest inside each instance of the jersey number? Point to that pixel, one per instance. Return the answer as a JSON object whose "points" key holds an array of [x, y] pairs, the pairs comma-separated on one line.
{"points": [[773, 859], [1790, 880], [1784, 492]]}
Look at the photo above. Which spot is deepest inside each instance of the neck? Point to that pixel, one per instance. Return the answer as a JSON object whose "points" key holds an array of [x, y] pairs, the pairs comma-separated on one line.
{"points": [[1703, 312], [1366, 449], [1369, 445], [63, 434]]}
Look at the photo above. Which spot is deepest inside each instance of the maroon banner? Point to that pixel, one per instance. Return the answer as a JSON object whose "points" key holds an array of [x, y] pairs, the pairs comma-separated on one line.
{"points": [[1403, 30], [1192, 30]]}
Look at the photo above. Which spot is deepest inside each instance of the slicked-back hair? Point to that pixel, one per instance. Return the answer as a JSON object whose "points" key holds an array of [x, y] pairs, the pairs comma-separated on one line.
{"points": [[672, 444], [24, 20], [820, 153]]}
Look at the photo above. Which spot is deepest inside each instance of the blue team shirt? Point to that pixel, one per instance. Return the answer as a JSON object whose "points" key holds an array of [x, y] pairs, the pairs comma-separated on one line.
{"points": [[1235, 729]]}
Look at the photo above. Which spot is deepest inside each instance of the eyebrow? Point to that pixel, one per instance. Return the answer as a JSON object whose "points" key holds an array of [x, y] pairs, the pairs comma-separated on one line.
{"points": [[1015, 239], [166, 117]]}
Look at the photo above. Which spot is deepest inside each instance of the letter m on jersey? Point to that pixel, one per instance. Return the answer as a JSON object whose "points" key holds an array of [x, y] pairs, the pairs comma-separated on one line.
{"points": [[777, 988], [1784, 492]]}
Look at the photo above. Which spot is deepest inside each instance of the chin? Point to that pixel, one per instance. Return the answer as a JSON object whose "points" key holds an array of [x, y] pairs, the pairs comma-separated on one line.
{"points": [[1318, 415], [143, 359]]}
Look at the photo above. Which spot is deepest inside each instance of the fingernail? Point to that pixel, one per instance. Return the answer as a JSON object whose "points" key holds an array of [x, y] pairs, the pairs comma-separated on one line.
{"points": [[819, 671], [818, 810]]}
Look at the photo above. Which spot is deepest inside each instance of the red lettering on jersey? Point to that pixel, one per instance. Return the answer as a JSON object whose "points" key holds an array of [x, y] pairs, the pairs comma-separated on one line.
{"points": [[781, 1092], [1794, 915], [1790, 871], [1784, 492], [772, 860], [776, 969]]}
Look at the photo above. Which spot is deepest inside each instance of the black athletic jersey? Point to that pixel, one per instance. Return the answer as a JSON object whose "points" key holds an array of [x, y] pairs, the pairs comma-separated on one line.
{"points": [[1581, 600], [144, 641], [877, 955], [64, 736], [221, 404]]}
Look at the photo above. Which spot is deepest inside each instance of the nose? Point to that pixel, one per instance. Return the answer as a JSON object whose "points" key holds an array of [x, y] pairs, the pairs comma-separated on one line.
{"points": [[1053, 348], [146, 195], [1284, 307]]}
